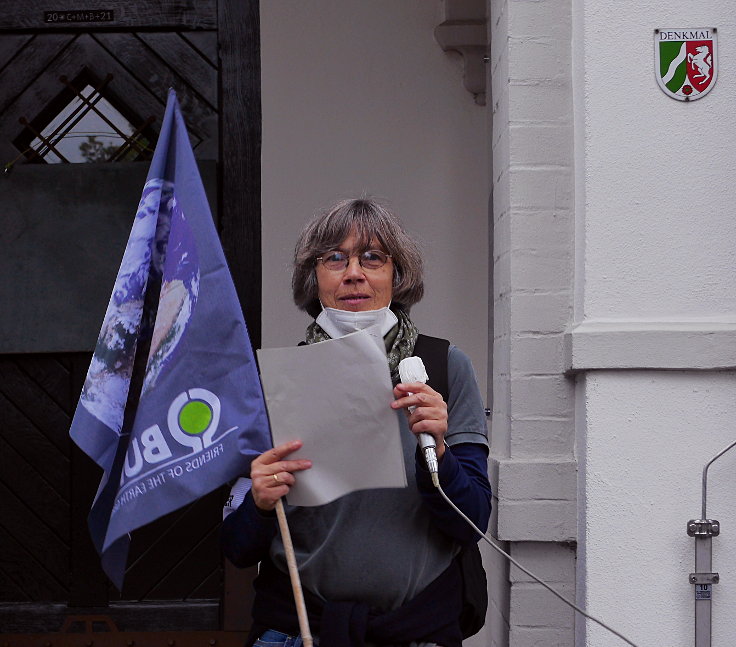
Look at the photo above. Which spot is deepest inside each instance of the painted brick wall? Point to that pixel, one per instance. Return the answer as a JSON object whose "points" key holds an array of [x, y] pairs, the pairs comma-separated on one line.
{"points": [[533, 436]]}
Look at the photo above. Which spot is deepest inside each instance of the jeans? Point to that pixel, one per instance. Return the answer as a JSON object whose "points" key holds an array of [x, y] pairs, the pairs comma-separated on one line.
{"points": [[273, 638]]}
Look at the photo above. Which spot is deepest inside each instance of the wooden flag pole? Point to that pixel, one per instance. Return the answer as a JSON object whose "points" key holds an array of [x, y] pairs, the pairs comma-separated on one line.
{"points": [[296, 584]]}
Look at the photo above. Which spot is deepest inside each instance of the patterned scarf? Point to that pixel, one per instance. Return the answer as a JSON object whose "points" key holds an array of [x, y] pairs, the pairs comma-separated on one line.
{"points": [[399, 340]]}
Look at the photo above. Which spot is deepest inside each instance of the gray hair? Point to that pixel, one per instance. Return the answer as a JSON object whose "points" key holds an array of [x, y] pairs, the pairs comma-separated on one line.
{"points": [[370, 220]]}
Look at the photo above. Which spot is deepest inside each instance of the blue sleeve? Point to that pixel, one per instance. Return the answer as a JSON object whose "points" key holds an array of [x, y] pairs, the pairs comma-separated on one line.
{"points": [[463, 471], [464, 479], [246, 533]]}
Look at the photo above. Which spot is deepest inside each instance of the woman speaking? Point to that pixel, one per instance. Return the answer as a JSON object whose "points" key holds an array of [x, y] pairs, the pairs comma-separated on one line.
{"points": [[381, 566]]}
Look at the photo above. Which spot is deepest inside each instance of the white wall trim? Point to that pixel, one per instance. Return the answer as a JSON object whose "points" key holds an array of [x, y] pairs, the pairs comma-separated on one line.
{"points": [[666, 345]]}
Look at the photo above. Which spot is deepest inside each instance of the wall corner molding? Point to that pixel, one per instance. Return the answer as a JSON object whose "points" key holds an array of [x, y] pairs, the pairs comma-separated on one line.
{"points": [[463, 30], [656, 345]]}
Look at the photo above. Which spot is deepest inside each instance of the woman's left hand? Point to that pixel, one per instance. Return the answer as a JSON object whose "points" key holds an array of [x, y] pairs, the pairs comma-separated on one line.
{"points": [[430, 414]]}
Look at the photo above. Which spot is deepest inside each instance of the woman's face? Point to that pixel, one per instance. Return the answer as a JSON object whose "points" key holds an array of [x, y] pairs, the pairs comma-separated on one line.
{"points": [[355, 288]]}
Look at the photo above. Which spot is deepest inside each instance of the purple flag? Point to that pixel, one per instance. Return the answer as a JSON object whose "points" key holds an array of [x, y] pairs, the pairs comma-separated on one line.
{"points": [[172, 406]]}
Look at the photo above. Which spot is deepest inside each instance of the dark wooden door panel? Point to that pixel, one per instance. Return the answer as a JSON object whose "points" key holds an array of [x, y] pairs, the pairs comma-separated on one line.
{"points": [[34, 489], [178, 54], [124, 14], [36, 405], [203, 42], [143, 68], [61, 250], [52, 375], [34, 478], [175, 558], [10, 45], [22, 577], [39, 455], [84, 53], [30, 529], [146, 72], [35, 56], [133, 52], [172, 557]]}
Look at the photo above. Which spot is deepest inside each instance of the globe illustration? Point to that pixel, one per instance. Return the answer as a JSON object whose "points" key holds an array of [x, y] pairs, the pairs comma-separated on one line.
{"points": [[153, 299]]}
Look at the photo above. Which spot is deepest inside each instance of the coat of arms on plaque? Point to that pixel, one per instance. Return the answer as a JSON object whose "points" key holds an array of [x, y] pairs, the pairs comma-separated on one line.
{"points": [[686, 62]]}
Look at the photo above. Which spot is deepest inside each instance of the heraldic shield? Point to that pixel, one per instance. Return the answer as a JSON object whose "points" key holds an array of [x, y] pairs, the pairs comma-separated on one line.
{"points": [[686, 62]]}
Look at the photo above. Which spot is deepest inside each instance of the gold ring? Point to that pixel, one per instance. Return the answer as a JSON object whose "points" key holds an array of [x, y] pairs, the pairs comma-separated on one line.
{"points": [[276, 477]]}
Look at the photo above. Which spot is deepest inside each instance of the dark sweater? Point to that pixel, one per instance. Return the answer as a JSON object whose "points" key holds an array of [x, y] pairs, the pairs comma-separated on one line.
{"points": [[432, 616], [247, 532]]}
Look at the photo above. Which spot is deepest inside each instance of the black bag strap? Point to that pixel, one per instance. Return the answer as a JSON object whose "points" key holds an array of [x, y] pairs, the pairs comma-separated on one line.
{"points": [[433, 351]]}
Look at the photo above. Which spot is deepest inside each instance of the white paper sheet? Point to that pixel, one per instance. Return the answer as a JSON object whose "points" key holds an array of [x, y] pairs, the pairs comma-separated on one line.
{"points": [[335, 397]]}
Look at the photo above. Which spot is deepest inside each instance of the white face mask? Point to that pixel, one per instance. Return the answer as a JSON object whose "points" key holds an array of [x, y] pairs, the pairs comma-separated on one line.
{"points": [[337, 323]]}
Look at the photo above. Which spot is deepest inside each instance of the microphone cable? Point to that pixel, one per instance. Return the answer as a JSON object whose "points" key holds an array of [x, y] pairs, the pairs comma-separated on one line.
{"points": [[530, 574], [411, 369]]}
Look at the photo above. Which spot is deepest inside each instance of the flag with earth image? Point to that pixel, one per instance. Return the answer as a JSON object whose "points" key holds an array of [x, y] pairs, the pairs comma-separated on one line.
{"points": [[172, 406], [686, 62]]}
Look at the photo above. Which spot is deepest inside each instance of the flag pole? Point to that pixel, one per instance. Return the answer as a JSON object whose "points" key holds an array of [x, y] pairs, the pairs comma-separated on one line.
{"points": [[296, 585]]}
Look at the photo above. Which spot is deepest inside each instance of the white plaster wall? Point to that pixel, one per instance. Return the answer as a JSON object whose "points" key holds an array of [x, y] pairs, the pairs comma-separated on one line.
{"points": [[660, 234], [656, 242], [649, 435], [359, 98]]}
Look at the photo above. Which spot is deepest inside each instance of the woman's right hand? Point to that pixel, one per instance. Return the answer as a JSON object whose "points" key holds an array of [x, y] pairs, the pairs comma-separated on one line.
{"points": [[272, 476]]}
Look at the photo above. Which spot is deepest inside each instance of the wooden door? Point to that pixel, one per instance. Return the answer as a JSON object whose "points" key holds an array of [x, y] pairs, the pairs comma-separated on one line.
{"points": [[82, 94]]}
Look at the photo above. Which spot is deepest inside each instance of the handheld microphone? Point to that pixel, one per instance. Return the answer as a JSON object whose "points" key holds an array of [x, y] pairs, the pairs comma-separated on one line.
{"points": [[411, 369]]}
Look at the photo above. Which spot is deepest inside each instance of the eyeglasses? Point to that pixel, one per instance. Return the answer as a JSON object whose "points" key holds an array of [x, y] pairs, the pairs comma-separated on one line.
{"points": [[337, 260]]}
